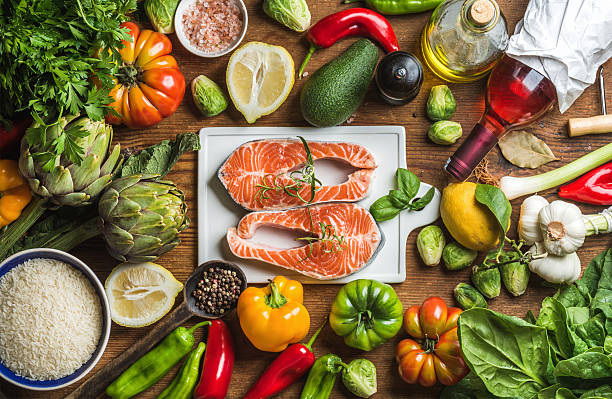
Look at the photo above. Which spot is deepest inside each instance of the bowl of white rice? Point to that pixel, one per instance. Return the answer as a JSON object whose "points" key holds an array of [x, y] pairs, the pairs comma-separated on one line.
{"points": [[54, 317]]}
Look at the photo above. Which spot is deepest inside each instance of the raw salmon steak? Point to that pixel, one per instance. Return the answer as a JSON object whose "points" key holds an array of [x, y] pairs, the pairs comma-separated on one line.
{"points": [[359, 239], [272, 160]]}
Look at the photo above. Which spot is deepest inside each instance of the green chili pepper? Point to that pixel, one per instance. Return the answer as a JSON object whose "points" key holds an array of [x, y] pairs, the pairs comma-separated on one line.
{"points": [[150, 368], [322, 377], [398, 7], [185, 381]]}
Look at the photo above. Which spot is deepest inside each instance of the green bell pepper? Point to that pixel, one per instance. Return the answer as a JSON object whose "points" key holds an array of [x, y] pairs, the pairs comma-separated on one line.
{"points": [[366, 313]]}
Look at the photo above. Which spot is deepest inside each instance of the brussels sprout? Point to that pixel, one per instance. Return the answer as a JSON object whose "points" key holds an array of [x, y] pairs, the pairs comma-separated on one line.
{"points": [[457, 257], [445, 132], [468, 297], [515, 275], [294, 14], [440, 104], [359, 377], [487, 281], [430, 243], [208, 96], [161, 14]]}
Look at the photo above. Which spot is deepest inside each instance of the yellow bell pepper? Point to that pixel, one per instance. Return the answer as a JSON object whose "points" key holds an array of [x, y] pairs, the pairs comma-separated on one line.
{"points": [[14, 192], [274, 317]]}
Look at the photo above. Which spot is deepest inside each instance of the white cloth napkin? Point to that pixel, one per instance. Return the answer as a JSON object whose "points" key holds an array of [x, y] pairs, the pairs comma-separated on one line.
{"points": [[565, 40]]}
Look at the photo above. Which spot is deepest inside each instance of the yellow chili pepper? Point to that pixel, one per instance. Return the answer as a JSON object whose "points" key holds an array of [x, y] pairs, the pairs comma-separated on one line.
{"points": [[274, 317], [14, 192]]}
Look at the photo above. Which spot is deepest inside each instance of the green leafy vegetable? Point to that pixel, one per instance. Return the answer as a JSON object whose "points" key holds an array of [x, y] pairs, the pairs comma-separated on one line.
{"points": [[389, 206], [161, 14], [553, 317], [495, 199], [294, 14], [359, 377], [587, 370], [47, 61], [470, 387]]}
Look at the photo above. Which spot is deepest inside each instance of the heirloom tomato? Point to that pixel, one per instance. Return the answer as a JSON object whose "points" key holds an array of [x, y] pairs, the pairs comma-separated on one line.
{"points": [[434, 355], [149, 85]]}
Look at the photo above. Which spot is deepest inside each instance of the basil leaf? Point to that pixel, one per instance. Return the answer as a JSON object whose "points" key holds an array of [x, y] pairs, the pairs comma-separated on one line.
{"points": [[399, 199], [423, 201], [382, 209], [408, 182], [510, 355], [495, 199]]}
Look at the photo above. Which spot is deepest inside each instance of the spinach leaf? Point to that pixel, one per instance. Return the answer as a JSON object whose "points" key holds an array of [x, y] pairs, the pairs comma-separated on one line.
{"points": [[589, 282], [587, 370], [470, 387], [423, 201], [593, 331], [382, 209], [530, 317], [553, 317], [577, 315], [495, 200], [608, 345], [549, 392], [510, 355], [571, 296], [602, 392], [408, 182]]}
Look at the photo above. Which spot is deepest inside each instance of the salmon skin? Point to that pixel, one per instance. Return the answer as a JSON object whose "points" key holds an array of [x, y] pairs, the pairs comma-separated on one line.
{"points": [[270, 159], [361, 242]]}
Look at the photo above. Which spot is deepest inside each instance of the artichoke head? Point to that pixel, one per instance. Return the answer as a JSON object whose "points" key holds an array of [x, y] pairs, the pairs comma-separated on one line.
{"points": [[141, 217], [68, 183]]}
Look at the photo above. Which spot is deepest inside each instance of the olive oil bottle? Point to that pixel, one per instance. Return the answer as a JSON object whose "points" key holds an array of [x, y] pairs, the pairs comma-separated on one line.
{"points": [[464, 39]]}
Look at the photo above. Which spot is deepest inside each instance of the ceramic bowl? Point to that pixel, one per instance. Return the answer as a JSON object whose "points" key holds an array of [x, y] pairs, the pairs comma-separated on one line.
{"points": [[47, 253], [180, 32]]}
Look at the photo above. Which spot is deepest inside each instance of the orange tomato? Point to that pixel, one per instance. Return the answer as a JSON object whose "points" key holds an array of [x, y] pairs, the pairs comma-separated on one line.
{"points": [[149, 85], [436, 357]]}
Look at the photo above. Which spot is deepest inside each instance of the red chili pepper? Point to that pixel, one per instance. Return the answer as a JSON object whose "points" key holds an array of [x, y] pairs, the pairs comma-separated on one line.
{"points": [[351, 22], [286, 369], [594, 187], [9, 140], [218, 363]]}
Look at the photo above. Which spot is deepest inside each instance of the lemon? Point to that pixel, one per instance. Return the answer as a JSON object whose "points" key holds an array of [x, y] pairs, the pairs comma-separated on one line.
{"points": [[468, 221], [139, 294], [259, 78]]}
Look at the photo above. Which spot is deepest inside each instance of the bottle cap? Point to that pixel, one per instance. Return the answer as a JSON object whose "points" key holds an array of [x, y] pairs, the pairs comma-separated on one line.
{"points": [[481, 12]]}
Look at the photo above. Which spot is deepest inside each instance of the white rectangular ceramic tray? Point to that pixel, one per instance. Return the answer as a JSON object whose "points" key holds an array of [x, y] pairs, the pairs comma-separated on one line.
{"points": [[217, 211]]}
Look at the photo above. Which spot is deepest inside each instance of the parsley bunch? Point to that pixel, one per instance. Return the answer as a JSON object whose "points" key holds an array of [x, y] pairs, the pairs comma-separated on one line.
{"points": [[49, 52]]}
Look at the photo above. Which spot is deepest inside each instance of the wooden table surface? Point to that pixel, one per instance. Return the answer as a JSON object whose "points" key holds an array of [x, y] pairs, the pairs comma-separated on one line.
{"points": [[423, 157]]}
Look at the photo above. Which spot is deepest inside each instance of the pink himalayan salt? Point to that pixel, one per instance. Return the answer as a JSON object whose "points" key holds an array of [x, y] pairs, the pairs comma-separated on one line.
{"points": [[212, 25]]}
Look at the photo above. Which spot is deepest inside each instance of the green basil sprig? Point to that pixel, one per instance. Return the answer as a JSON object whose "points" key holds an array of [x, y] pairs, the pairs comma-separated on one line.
{"points": [[408, 184]]}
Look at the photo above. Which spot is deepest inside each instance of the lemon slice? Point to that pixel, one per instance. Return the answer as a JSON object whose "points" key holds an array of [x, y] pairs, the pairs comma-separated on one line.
{"points": [[139, 294], [259, 78]]}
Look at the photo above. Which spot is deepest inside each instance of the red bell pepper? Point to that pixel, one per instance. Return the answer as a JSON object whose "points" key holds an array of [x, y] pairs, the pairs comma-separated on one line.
{"points": [[352, 22], [10, 139], [218, 363], [287, 368], [594, 187]]}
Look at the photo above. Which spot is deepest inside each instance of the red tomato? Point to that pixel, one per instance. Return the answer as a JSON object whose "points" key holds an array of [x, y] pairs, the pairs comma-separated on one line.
{"points": [[437, 356], [150, 85]]}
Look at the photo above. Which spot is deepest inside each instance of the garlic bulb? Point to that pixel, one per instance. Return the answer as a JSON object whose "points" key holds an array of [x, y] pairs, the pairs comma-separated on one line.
{"points": [[555, 269], [528, 226], [562, 228]]}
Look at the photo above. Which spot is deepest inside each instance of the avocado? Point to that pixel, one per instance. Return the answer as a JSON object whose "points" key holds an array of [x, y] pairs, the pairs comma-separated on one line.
{"points": [[333, 93]]}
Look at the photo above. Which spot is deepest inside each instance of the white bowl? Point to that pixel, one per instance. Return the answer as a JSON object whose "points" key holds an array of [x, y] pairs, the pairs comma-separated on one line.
{"points": [[49, 385], [180, 32]]}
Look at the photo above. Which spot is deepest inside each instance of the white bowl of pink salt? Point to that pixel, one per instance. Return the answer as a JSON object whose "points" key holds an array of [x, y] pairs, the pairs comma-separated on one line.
{"points": [[210, 28]]}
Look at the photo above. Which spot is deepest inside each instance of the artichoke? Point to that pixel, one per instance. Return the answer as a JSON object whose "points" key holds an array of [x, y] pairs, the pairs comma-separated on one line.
{"points": [[68, 183], [141, 217]]}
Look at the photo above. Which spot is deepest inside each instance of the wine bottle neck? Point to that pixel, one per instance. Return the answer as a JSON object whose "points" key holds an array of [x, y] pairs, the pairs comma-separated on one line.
{"points": [[478, 144]]}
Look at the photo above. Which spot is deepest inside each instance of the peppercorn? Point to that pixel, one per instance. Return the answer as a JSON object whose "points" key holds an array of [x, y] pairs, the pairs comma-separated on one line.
{"points": [[217, 291]]}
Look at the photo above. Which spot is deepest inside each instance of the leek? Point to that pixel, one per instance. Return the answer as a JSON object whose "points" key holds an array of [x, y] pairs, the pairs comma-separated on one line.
{"points": [[515, 187]]}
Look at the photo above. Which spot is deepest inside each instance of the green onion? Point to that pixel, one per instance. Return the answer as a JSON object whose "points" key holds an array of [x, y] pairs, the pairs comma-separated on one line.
{"points": [[515, 187]]}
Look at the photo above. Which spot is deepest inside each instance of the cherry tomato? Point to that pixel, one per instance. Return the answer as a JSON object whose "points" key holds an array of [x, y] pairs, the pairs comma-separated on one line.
{"points": [[436, 356], [149, 85]]}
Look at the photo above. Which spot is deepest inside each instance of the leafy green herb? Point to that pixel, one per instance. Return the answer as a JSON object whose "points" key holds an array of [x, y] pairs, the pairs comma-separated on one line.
{"points": [[408, 185], [328, 235], [299, 178], [48, 64]]}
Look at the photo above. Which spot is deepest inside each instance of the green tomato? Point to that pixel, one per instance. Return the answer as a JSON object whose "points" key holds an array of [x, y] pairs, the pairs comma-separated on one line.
{"points": [[161, 14], [430, 243], [294, 14], [441, 103], [366, 313], [208, 96], [445, 132], [457, 257], [359, 377]]}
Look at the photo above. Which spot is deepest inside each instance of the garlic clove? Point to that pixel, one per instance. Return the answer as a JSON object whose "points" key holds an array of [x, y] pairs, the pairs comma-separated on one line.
{"points": [[561, 225], [528, 227]]}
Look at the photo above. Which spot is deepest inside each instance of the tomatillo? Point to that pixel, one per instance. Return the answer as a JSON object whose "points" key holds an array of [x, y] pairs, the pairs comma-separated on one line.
{"points": [[366, 313]]}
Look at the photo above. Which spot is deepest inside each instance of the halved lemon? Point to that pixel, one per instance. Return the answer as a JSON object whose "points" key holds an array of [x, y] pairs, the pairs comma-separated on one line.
{"points": [[259, 78], [139, 294]]}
